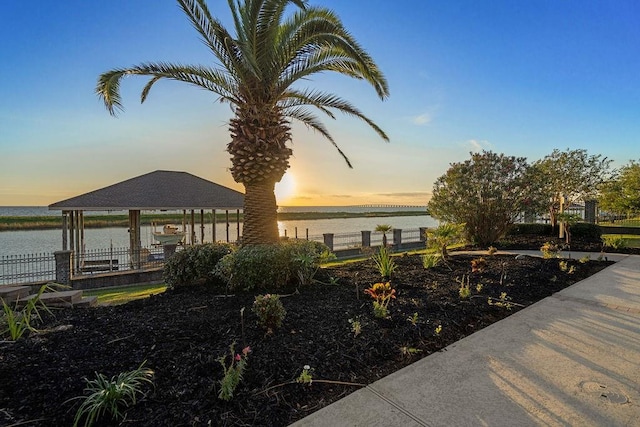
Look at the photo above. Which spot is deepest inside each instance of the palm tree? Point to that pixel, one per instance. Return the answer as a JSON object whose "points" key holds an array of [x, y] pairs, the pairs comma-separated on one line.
{"points": [[384, 229], [255, 72]]}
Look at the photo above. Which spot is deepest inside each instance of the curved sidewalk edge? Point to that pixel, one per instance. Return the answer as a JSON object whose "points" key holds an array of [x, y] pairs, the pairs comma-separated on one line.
{"points": [[570, 359]]}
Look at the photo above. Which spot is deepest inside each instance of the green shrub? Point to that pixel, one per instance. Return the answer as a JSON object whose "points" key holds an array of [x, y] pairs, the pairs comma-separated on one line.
{"points": [[272, 267], [530, 229], [270, 311], [306, 258], [586, 231], [614, 241], [195, 265]]}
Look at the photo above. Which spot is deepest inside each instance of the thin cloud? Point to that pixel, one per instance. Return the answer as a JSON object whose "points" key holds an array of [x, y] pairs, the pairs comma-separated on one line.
{"points": [[422, 120], [477, 145]]}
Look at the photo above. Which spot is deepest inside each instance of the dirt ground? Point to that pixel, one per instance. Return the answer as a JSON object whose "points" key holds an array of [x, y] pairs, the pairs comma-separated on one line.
{"points": [[181, 334]]}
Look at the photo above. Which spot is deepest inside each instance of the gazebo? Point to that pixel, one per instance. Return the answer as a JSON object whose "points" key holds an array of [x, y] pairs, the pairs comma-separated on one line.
{"points": [[159, 190]]}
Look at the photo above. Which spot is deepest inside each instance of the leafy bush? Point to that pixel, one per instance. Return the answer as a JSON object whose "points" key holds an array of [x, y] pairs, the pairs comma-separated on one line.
{"points": [[195, 265], [444, 235], [530, 229], [272, 267], [614, 241], [586, 231], [270, 311], [487, 193], [306, 257]]}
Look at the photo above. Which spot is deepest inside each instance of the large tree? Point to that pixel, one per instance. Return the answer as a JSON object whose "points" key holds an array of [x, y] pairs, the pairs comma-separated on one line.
{"points": [[486, 193], [256, 71], [622, 194], [573, 175]]}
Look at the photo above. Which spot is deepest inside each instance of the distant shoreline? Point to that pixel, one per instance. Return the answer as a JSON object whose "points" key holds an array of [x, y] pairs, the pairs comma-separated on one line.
{"points": [[19, 223]]}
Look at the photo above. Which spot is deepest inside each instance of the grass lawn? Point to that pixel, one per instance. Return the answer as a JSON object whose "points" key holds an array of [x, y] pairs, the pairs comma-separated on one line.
{"points": [[630, 240], [124, 294]]}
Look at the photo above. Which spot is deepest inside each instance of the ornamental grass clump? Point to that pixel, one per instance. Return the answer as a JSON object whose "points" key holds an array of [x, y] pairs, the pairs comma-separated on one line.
{"points": [[233, 372], [382, 293], [270, 311], [384, 262], [431, 260], [109, 396], [15, 322]]}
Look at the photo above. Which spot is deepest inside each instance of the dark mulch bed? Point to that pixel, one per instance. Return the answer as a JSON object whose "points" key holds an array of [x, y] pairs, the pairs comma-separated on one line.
{"points": [[181, 333]]}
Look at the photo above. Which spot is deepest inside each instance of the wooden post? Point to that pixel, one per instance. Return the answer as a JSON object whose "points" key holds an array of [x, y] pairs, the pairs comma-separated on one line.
{"points": [[201, 225], [65, 227], [227, 219], [76, 238], [134, 238], [215, 222], [192, 235], [237, 225], [81, 226]]}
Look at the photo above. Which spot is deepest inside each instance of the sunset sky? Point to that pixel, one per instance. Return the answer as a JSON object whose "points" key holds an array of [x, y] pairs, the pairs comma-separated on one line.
{"points": [[515, 77]]}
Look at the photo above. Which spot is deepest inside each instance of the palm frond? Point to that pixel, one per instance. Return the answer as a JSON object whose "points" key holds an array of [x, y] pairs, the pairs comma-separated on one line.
{"points": [[108, 88], [310, 120], [326, 100]]}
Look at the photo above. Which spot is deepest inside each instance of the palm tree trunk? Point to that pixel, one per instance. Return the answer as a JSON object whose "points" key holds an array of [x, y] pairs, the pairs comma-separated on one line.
{"points": [[260, 214]]}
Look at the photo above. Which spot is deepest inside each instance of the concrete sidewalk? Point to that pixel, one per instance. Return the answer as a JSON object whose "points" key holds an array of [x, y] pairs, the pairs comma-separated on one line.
{"points": [[571, 359]]}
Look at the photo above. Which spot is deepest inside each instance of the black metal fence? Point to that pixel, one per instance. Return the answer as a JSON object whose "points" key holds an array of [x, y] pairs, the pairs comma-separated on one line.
{"points": [[118, 259], [15, 269], [24, 269]]}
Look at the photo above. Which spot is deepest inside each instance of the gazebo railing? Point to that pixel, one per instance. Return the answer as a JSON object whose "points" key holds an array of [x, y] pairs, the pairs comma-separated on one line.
{"points": [[118, 259]]}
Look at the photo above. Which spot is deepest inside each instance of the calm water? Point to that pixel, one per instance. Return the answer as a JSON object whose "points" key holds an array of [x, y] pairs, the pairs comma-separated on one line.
{"points": [[47, 241]]}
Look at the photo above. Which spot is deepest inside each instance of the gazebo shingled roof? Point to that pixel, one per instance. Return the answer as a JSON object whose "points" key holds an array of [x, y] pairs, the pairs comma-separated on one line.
{"points": [[156, 190]]}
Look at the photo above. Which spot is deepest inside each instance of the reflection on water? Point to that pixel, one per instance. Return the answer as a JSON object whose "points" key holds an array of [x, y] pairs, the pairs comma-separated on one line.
{"points": [[47, 241]]}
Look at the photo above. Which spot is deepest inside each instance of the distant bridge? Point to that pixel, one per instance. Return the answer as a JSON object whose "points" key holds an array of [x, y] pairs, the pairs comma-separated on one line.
{"points": [[390, 206]]}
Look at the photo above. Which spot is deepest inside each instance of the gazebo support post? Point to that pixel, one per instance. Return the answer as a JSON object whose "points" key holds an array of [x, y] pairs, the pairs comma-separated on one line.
{"points": [[227, 218], [65, 230], [134, 238], [193, 227], [76, 239], [237, 225], [215, 221], [201, 226], [81, 227]]}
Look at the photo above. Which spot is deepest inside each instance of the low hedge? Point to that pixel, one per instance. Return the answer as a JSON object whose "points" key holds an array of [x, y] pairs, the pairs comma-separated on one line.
{"points": [[270, 267], [530, 229], [580, 230], [195, 265]]}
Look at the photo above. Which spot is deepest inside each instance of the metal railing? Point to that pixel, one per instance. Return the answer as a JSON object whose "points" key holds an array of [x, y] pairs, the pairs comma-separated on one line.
{"points": [[355, 240], [118, 259], [16, 269], [22, 269]]}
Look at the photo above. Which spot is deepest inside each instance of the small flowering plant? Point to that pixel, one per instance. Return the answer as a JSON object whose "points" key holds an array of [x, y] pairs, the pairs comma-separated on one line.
{"points": [[382, 293], [550, 250], [269, 310], [306, 376], [233, 372]]}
